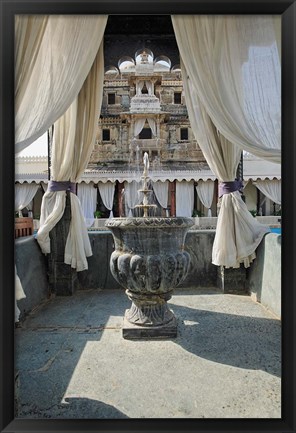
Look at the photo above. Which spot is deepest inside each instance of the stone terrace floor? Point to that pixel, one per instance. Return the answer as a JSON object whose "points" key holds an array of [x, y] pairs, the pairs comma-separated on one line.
{"points": [[72, 361]]}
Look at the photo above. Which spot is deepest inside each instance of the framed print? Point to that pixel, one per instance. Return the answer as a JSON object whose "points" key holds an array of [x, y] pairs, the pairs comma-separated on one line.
{"points": [[101, 360]]}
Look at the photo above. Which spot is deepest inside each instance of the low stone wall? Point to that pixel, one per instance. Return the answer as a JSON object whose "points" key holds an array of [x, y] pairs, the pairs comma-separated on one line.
{"points": [[205, 222], [262, 280], [202, 273], [98, 275], [199, 243], [264, 275], [271, 220], [31, 267]]}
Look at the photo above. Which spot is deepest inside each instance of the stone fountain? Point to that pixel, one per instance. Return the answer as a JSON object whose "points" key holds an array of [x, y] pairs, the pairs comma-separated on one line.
{"points": [[149, 261]]}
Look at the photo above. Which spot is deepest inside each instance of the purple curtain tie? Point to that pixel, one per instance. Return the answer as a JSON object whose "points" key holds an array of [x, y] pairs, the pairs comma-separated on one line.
{"points": [[54, 186], [228, 187]]}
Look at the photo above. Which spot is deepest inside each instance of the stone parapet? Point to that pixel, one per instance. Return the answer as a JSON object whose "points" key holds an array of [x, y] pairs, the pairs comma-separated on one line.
{"points": [[262, 279], [145, 104], [271, 220], [32, 269], [264, 275], [153, 143]]}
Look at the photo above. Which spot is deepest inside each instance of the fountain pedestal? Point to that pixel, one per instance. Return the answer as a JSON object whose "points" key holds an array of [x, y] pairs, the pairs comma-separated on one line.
{"points": [[149, 317], [149, 261]]}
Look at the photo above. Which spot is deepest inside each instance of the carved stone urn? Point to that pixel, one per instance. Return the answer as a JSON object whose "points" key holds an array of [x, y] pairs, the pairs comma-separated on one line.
{"points": [[149, 261]]}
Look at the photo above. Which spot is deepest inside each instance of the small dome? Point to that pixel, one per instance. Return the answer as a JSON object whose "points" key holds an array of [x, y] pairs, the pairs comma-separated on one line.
{"points": [[176, 69], [162, 63], [111, 72], [126, 64], [144, 55]]}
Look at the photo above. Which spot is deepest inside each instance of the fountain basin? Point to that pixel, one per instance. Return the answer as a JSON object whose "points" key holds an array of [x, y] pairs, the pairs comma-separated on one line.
{"points": [[149, 261]]}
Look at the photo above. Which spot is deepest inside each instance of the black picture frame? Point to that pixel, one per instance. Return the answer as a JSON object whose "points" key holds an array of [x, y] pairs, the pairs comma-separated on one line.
{"points": [[8, 9]]}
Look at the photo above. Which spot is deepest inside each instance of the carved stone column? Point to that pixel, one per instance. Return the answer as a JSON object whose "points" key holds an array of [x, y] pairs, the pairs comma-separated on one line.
{"points": [[158, 127], [62, 278], [131, 131]]}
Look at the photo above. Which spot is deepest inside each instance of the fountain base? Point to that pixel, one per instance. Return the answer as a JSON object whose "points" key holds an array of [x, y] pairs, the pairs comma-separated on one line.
{"points": [[149, 317], [131, 331]]}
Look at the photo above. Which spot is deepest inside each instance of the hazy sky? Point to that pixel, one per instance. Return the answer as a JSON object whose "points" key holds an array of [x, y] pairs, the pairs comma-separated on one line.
{"points": [[38, 148]]}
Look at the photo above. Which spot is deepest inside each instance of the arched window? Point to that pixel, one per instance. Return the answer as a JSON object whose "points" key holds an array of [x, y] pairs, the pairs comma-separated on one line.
{"points": [[145, 134], [144, 89]]}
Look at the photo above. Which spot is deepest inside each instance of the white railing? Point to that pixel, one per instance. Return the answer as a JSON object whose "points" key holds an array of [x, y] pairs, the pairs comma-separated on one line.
{"points": [[203, 223]]}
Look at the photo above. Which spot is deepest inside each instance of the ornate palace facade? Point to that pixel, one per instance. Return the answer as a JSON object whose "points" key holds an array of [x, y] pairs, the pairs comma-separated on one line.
{"points": [[143, 110]]}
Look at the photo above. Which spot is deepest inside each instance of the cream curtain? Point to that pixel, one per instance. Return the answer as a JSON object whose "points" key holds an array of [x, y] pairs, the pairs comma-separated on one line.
{"points": [[161, 192], [149, 87], [214, 53], [53, 55], [237, 234], [132, 196], [44, 186], [140, 86], [205, 192], [234, 66], [24, 194], [271, 189], [107, 194], [139, 125], [184, 198], [87, 195], [73, 140], [152, 124], [29, 32]]}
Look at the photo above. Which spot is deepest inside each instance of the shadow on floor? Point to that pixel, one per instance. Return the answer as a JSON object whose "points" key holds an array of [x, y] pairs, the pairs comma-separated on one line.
{"points": [[240, 341], [86, 310], [82, 408]]}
